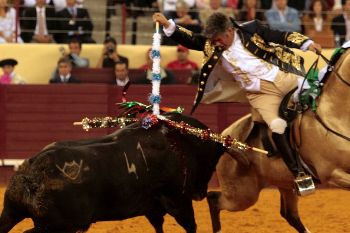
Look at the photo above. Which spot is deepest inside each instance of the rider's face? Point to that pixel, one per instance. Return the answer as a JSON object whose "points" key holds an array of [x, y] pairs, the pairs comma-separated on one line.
{"points": [[224, 40]]}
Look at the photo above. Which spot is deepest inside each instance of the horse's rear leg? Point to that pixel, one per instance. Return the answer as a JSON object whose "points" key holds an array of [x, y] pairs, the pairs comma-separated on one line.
{"points": [[214, 208], [289, 210], [340, 179]]}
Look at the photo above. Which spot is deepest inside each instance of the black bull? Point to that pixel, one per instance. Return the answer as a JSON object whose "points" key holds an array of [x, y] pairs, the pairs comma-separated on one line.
{"points": [[132, 172]]}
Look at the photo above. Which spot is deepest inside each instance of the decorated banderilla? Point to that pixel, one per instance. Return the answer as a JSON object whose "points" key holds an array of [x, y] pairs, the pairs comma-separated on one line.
{"points": [[151, 119]]}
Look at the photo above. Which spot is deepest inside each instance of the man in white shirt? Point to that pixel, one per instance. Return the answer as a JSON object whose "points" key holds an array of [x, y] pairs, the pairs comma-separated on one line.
{"points": [[341, 24], [38, 23], [121, 74], [267, 72]]}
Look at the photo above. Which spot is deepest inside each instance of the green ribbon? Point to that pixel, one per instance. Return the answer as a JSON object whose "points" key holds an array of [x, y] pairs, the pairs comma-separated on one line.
{"points": [[308, 97]]}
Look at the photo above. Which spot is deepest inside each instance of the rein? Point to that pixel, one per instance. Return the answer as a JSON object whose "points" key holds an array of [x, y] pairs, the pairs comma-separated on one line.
{"points": [[318, 118], [328, 62]]}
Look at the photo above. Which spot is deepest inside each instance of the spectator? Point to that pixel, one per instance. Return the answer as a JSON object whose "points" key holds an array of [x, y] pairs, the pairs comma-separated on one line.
{"points": [[318, 25], [121, 74], [73, 55], [167, 77], [61, 4], [340, 24], [250, 11], [64, 67], [9, 76], [233, 4], [8, 24], [183, 18], [169, 6], [110, 54], [202, 4], [215, 6], [38, 23], [32, 3], [337, 6], [75, 47], [24, 4], [283, 18], [183, 63], [74, 22], [329, 4], [58, 4]]}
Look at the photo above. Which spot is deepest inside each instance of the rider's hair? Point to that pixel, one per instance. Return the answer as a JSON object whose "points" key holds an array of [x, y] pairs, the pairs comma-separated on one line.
{"points": [[217, 23]]}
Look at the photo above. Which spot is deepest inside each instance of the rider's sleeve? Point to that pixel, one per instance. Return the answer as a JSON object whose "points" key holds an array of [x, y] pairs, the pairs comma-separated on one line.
{"points": [[306, 45], [171, 29]]}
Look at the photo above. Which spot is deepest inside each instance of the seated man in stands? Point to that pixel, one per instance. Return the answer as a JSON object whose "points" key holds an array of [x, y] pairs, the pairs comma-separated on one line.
{"points": [[184, 18], [74, 22], [110, 54], [317, 24], [64, 67], [38, 23], [121, 74], [184, 63], [166, 76], [340, 24], [75, 47], [282, 17], [9, 76]]}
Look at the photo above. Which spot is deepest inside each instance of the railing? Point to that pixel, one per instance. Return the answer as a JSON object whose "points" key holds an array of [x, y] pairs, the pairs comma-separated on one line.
{"points": [[127, 14]]}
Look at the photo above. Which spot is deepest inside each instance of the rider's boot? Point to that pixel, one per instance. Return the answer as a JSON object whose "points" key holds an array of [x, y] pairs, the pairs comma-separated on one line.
{"points": [[303, 183]]}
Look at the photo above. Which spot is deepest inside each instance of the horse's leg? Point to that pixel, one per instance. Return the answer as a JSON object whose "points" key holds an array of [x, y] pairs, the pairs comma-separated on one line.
{"points": [[340, 179], [289, 210], [214, 208], [234, 198]]}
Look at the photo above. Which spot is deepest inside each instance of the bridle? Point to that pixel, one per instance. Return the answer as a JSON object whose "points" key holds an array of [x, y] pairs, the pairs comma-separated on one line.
{"points": [[328, 62], [317, 116]]}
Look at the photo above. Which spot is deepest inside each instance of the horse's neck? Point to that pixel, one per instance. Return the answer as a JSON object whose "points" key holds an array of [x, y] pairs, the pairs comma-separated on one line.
{"points": [[336, 94], [333, 104]]}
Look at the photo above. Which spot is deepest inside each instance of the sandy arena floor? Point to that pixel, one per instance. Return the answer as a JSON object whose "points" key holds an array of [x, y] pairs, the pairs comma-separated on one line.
{"points": [[326, 211]]}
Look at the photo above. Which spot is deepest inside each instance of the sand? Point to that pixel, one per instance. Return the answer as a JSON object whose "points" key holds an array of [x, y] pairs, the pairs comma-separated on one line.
{"points": [[327, 211]]}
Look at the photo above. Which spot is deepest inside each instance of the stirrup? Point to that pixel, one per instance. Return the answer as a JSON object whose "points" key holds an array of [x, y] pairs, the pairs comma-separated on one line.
{"points": [[304, 185]]}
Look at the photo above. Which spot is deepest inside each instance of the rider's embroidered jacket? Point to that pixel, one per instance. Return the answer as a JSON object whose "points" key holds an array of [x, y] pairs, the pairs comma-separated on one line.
{"points": [[269, 45]]}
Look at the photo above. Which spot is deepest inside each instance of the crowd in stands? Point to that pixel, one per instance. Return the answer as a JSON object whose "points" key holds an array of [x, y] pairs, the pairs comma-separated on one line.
{"points": [[67, 21], [48, 21], [44, 22]]}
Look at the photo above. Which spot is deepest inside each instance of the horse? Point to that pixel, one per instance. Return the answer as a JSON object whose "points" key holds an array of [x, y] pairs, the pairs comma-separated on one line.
{"points": [[321, 137]]}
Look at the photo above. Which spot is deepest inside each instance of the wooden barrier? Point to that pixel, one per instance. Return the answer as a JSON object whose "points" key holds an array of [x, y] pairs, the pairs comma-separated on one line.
{"points": [[32, 116]]}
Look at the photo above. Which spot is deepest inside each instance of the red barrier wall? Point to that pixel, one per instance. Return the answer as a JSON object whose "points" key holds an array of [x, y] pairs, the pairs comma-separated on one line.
{"points": [[32, 116]]}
